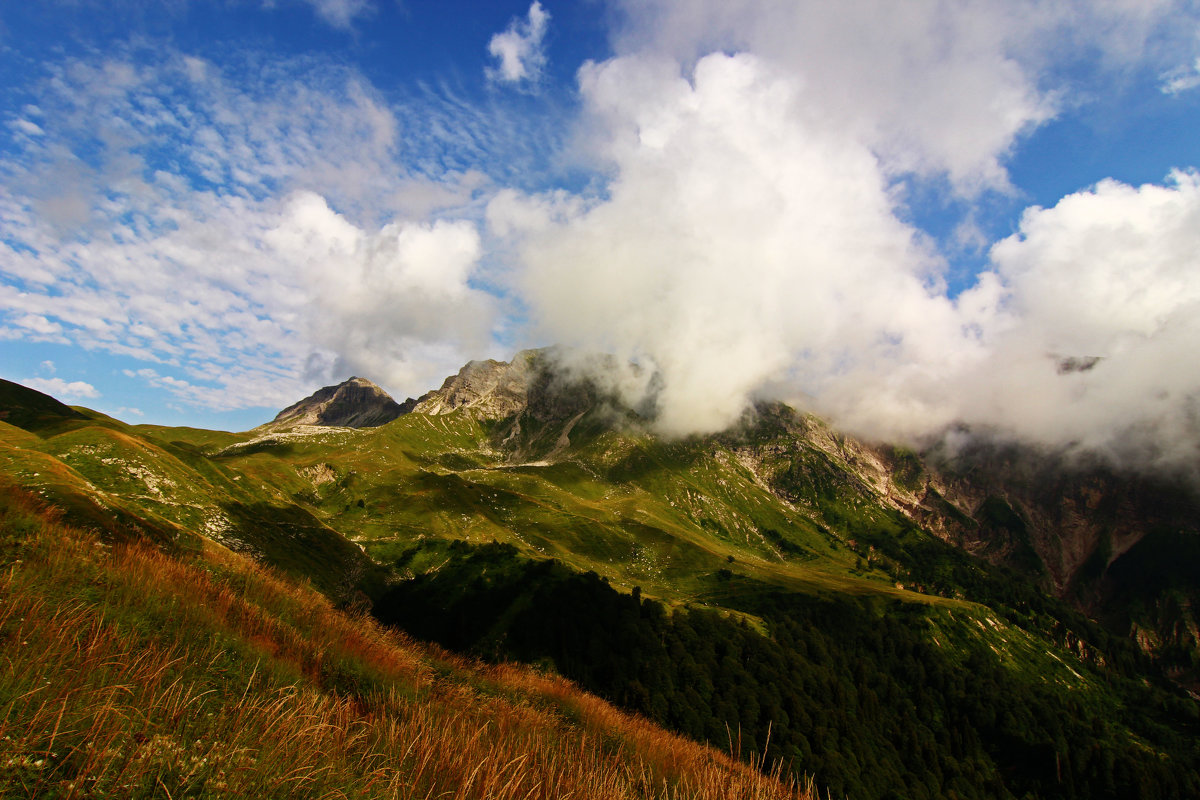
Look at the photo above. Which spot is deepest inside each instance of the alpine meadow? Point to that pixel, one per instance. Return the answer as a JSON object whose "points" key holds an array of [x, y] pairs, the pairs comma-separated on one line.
{"points": [[626, 399]]}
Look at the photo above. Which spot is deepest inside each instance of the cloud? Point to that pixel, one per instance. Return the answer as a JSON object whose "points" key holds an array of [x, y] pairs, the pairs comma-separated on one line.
{"points": [[1181, 79], [518, 50], [341, 13], [737, 243], [749, 240], [61, 389], [244, 238], [932, 88], [1112, 273], [1079, 338]]}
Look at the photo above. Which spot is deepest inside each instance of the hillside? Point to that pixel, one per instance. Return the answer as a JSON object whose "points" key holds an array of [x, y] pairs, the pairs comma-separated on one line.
{"points": [[893, 623], [130, 672]]}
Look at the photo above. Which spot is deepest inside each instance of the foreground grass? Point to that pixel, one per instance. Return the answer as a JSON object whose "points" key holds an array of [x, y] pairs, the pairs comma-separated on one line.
{"points": [[129, 672]]}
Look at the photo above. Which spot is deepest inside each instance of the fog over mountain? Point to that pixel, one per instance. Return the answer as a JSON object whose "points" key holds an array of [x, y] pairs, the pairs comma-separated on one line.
{"points": [[753, 241], [974, 215]]}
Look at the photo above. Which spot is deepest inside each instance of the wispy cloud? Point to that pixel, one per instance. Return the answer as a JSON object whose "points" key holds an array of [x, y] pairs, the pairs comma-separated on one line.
{"points": [[1182, 79], [244, 236], [518, 50], [341, 13]]}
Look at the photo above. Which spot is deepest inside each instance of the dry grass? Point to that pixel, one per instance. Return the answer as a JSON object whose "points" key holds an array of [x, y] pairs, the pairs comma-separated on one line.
{"points": [[125, 672]]}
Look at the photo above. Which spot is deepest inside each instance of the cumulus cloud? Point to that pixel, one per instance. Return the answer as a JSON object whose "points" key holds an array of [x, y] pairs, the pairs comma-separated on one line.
{"points": [[750, 243], [1111, 274], [932, 88], [1088, 323], [518, 50], [61, 389], [734, 238]]}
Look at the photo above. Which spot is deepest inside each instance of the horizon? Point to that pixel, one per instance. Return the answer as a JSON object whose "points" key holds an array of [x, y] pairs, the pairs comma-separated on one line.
{"points": [[907, 218]]}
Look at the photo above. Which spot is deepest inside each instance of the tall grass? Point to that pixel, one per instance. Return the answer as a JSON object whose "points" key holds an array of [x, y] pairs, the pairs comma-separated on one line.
{"points": [[127, 672]]}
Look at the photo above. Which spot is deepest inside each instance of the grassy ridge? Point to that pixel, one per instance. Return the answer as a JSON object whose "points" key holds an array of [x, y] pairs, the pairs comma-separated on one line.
{"points": [[129, 672]]}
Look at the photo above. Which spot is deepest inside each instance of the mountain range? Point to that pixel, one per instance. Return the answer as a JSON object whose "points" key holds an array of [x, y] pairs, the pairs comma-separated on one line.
{"points": [[979, 621]]}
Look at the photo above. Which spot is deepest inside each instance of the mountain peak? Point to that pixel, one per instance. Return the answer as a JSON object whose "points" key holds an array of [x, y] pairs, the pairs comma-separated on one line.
{"points": [[353, 403], [492, 389]]}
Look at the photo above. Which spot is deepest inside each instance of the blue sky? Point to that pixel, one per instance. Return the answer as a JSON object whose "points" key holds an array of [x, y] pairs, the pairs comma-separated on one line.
{"points": [[889, 213]]}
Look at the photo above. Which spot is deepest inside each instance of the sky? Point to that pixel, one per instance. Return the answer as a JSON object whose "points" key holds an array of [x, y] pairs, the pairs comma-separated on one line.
{"points": [[967, 215]]}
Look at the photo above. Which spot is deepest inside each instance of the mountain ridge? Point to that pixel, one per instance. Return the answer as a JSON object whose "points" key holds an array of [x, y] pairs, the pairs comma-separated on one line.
{"points": [[533, 497]]}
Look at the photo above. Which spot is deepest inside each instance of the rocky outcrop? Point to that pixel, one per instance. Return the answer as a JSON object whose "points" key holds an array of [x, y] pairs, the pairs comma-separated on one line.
{"points": [[532, 404], [356, 403], [488, 389]]}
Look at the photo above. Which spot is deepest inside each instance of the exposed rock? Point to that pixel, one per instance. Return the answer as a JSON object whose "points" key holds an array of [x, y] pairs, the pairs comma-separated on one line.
{"points": [[356, 403], [534, 403], [490, 389]]}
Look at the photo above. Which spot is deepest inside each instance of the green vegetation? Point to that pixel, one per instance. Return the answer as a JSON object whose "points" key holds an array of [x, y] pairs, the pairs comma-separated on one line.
{"points": [[775, 589], [132, 673], [855, 690]]}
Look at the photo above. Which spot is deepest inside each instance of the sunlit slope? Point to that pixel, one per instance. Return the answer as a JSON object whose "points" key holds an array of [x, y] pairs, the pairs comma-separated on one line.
{"points": [[129, 672], [666, 516], [161, 483]]}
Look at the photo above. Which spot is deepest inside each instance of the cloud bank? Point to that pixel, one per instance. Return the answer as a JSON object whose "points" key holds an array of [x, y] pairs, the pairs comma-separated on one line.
{"points": [[751, 241]]}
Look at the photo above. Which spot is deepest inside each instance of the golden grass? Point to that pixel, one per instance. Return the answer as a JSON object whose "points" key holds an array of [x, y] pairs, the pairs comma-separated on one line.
{"points": [[126, 672]]}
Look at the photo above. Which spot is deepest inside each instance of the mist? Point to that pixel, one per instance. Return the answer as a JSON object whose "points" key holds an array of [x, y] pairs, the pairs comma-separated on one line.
{"points": [[751, 241]]}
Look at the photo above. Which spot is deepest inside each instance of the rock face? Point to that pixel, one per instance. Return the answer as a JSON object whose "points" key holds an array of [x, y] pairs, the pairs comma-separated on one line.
{"points": [[356, 403], [489, 389], [531, 404]]}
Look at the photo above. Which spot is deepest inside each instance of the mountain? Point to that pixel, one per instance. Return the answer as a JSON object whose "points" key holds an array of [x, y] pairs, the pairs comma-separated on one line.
{"points": [[354, 403], [991, 622], [1079, 530]]}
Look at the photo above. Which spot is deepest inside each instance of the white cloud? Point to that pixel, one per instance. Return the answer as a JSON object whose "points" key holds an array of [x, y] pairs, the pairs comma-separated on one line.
{"points": [[1181, 79], [341, 13], [1110, 273], [932, 88], [27, 127], [749, 241], [61, 389], [518, 50], [204, 238], [738, 242]]}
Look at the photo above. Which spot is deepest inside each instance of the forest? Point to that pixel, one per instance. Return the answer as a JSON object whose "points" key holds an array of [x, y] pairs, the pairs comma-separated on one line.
{"points": [[853, 691]]}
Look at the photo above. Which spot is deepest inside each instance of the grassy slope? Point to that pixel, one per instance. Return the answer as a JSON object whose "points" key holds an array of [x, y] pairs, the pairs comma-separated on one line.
{"points": [[161, 483], [128, 672], [669, 517], [665, 517]]}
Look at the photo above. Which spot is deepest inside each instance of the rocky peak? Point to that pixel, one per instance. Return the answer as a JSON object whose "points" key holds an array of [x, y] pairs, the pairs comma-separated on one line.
{"points": [[355, 403], [489, 389]]}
